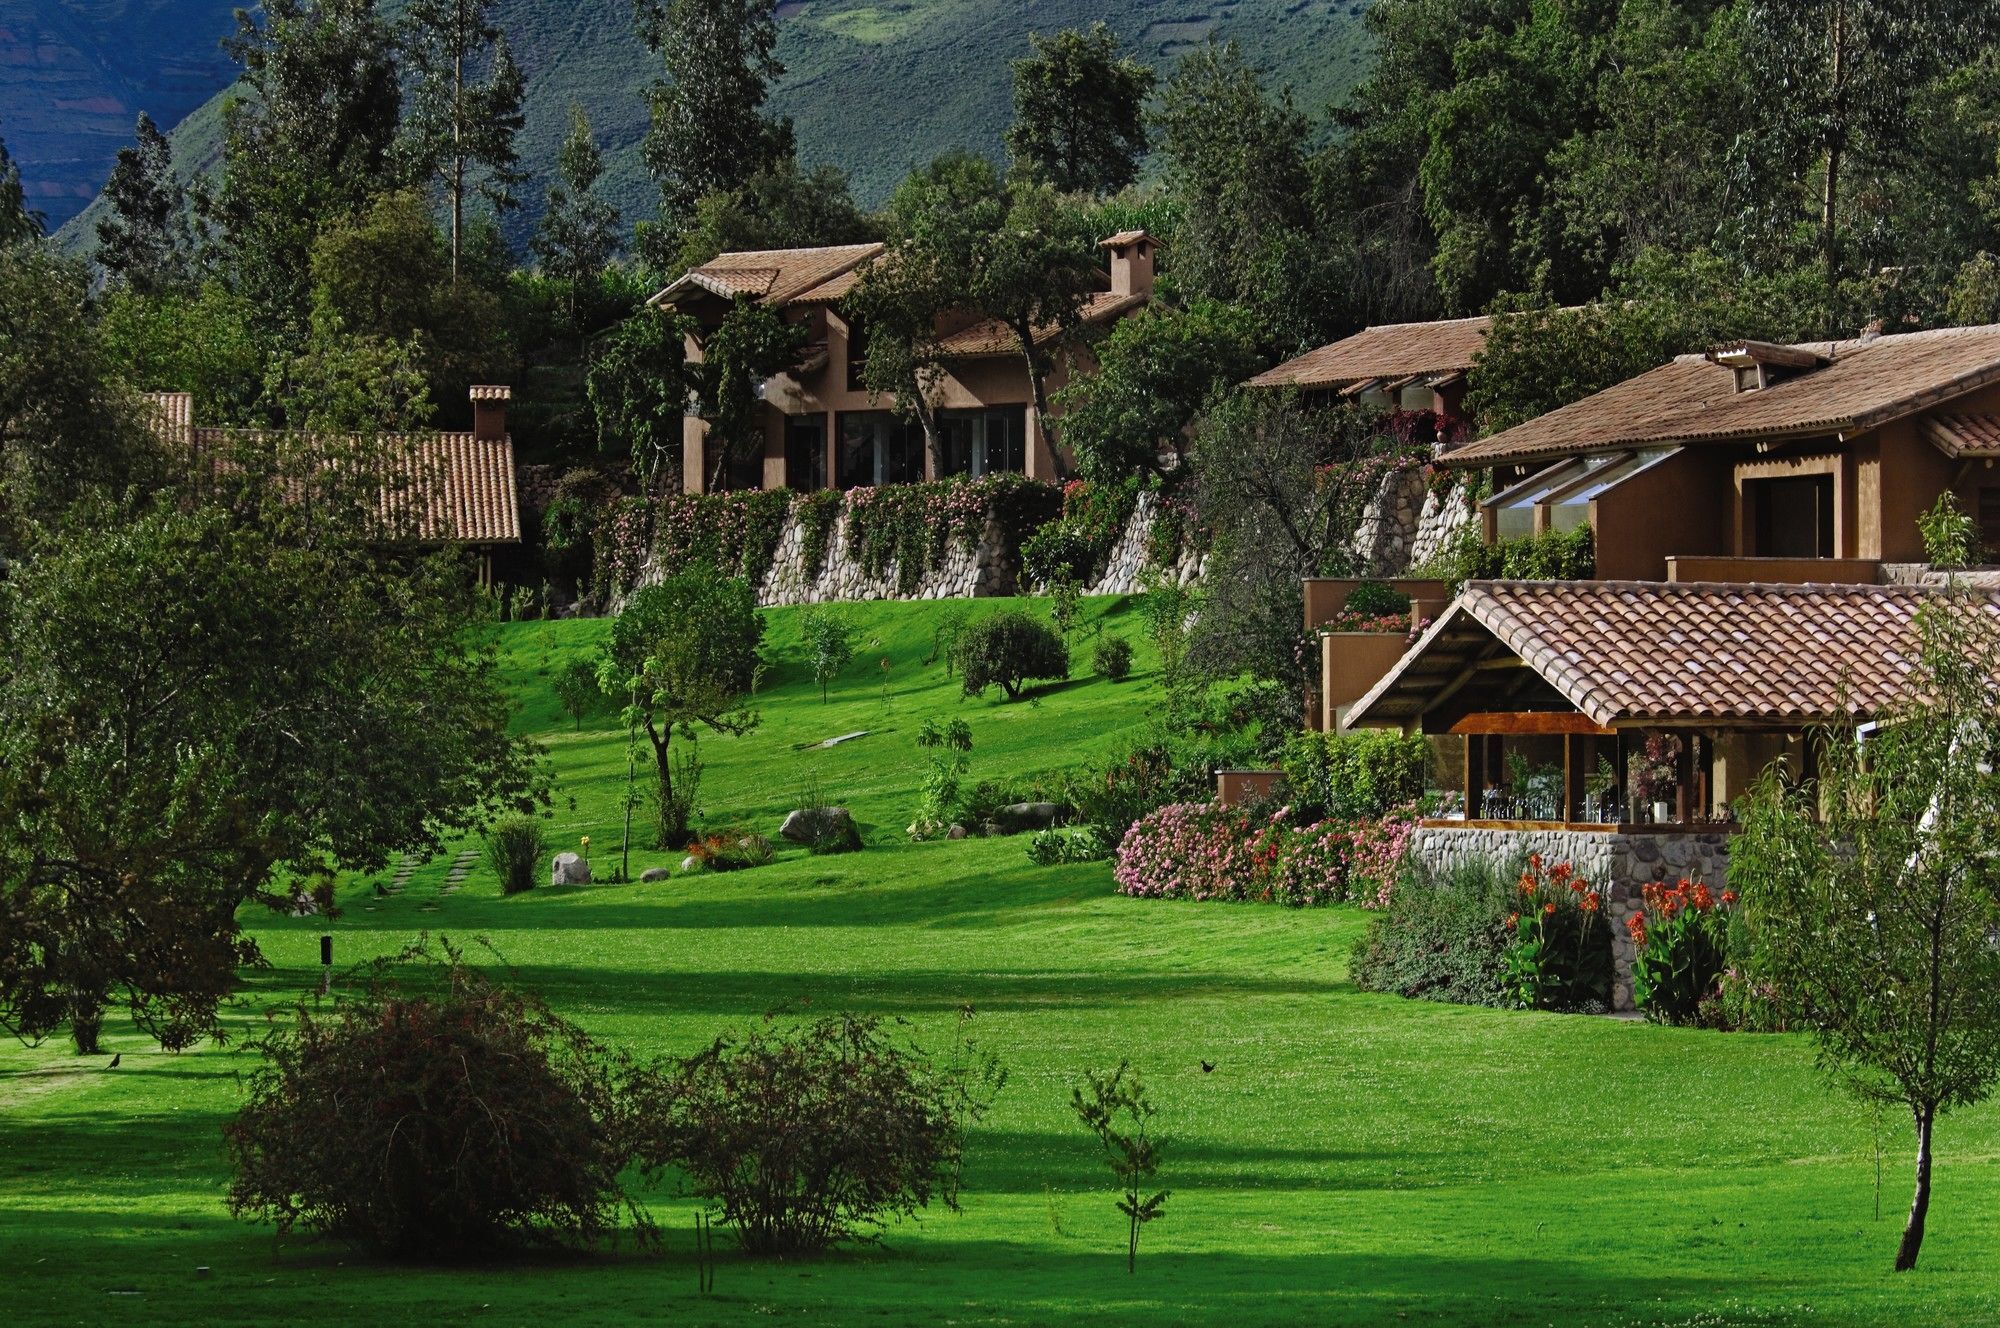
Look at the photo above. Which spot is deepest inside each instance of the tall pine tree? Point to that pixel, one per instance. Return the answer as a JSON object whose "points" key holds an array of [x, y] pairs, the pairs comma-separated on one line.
{"points": [[18, 224], [579, 230], [710, 132], [144, 243], [308, 143], [460, 130]]}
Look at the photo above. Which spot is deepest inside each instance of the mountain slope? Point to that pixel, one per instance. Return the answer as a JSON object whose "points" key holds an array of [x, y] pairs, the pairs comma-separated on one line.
{"points": [[875, 88]]}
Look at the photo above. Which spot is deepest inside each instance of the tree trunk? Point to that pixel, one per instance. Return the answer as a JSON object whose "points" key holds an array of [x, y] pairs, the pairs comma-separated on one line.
{"points": [[457, 156], [1834, 142], [663, 766], [86, 1025], [1038, 392], [1920, 1200]]}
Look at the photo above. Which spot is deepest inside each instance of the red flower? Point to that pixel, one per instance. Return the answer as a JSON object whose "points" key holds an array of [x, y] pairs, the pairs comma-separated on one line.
{"points": [[1534, 862], [1702, 899], [1636, 925], [1549, 909], [1590, 901], [1513, 921], [1729, 899]]}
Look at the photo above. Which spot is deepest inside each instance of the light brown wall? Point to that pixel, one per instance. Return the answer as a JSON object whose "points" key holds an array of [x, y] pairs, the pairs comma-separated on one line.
{"points": [[1913, 473], [1327, 595], [1843, 464], [1680, 506]]}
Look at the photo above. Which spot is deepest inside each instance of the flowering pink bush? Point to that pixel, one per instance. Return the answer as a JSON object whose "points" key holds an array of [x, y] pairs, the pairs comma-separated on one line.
{"points": [[1190, 850]]}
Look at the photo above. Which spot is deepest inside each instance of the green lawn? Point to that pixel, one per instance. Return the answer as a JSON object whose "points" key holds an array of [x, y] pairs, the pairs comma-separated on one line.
{"points": [[1352, 1159]]}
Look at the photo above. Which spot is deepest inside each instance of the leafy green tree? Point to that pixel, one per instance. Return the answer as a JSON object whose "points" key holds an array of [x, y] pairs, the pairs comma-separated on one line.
{"points": [[145, 243], [753, 343], [780, 207], [578, 234], [66, 423], [19, 224], [829, 641], [202, 342], [1871, 891], [308, 141], [576, 689], [214, 704], [385, 273], [1155, 372], [686, 652], [1237, 168], [1539, 357], [343, 382], [709, 131], [1079, 111], [1853, 72], [459, 127], [1116, 1109], [638, 386]]}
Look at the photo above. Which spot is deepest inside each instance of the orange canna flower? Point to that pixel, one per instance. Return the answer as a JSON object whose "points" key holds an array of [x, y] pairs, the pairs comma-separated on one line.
{"points": [[1549, 909]]}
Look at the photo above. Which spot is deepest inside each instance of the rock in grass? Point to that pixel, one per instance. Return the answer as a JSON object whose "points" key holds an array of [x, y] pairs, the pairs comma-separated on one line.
{"points": [[655, 874], [569, 869], [956, 832], [824, 829], [1028, 816]]}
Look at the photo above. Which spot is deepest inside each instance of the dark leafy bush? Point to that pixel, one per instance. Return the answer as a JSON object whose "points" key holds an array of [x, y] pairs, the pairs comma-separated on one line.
{"points": [[1356, 775], [1113, 658], [1009, 649], [805, 1137], [1376, 599], [1049, 848], [444, 1123], [514, 849], [1443, 937]]}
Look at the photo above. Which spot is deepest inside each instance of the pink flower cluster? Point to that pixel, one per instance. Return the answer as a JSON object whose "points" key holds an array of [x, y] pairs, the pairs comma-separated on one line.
{"points": [[1206, 851]]}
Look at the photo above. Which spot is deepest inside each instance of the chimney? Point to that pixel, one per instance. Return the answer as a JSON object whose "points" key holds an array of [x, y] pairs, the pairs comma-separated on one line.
{"points": [[489, 413], [1131, 262], [1761, 364]]}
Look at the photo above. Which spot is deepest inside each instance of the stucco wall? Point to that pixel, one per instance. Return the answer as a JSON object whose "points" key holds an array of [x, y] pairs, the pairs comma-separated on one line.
{"points": [[1618, 864]]}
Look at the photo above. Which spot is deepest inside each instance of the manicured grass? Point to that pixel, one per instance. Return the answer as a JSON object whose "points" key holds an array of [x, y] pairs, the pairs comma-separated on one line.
{"points": [[1352, 1159]]}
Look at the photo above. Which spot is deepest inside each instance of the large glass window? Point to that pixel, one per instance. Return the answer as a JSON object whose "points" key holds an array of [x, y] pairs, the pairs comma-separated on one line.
{"points": [[877, 448], [805, 452], [983, 442], [857, 353]]}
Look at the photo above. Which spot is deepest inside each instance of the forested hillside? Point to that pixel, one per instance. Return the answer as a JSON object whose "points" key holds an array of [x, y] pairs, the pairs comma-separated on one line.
{"points": [[874, 88]]}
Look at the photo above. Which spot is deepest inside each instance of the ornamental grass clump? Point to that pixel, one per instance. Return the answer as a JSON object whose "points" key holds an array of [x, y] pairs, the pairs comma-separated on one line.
{"points": [[515, 847], [450, 1121], [1682, 951], [1560, 952]]}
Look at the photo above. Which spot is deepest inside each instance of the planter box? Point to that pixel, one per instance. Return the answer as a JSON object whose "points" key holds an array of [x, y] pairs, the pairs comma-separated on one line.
{"points": [[1238, 786], [1350, 664]]}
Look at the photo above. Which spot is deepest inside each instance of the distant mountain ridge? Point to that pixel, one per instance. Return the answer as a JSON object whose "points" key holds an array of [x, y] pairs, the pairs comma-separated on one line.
{"points": [[875, 88]]}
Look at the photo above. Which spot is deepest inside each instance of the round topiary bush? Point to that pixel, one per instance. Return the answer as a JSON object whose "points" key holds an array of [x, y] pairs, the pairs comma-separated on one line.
{"points": [[1113, 658], [1009, 649], [446, 1123]]}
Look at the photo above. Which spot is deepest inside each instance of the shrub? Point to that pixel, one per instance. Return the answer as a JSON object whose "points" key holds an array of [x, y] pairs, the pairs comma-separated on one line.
{"points": [[1192, 850], [1377, 855], [1441, 938], [1050, 848], [1559, 957], [1376, 599], [1682, 940], [1356, 775], [1113, 658], [806, 1137], [1076, 546], [1009, 649], [734, 849], [514, 849], [451, 1122]]}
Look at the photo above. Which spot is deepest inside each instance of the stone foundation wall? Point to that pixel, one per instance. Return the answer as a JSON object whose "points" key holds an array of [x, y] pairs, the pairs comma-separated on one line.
{"points": [[1618, 864], [1406, 525]]}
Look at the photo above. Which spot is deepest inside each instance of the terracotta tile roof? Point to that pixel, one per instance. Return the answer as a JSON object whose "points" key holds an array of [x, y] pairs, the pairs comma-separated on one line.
{"points": [[489, 392], [1123, 238], [832, 289], [772, 276], [1868, 382], [444, 488], [991, 337], [1636, 652], [1965, 435], [1391, 350]]}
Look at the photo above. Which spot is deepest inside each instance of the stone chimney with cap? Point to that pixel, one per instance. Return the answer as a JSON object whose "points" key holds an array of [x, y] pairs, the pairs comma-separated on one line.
{"points": [[1131, 262], [489, 413]]}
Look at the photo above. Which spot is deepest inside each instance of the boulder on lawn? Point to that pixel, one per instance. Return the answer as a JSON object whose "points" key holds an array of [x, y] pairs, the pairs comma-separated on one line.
{"points": [[656, 874], [1029, 816], [956, 832], [825, 829], [569, 869]]}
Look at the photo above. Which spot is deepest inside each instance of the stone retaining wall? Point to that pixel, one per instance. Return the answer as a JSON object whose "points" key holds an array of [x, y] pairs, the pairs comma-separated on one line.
{"points": [[1618, 864]]}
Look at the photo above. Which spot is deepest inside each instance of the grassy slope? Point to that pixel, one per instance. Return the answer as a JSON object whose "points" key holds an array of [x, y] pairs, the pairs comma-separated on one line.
{"points": [[874, 88], [1353, 1159]]}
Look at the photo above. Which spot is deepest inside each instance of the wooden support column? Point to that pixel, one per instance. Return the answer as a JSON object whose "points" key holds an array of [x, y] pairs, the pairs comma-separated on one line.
{"points": [[1684, 778], [1568, 812]]}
